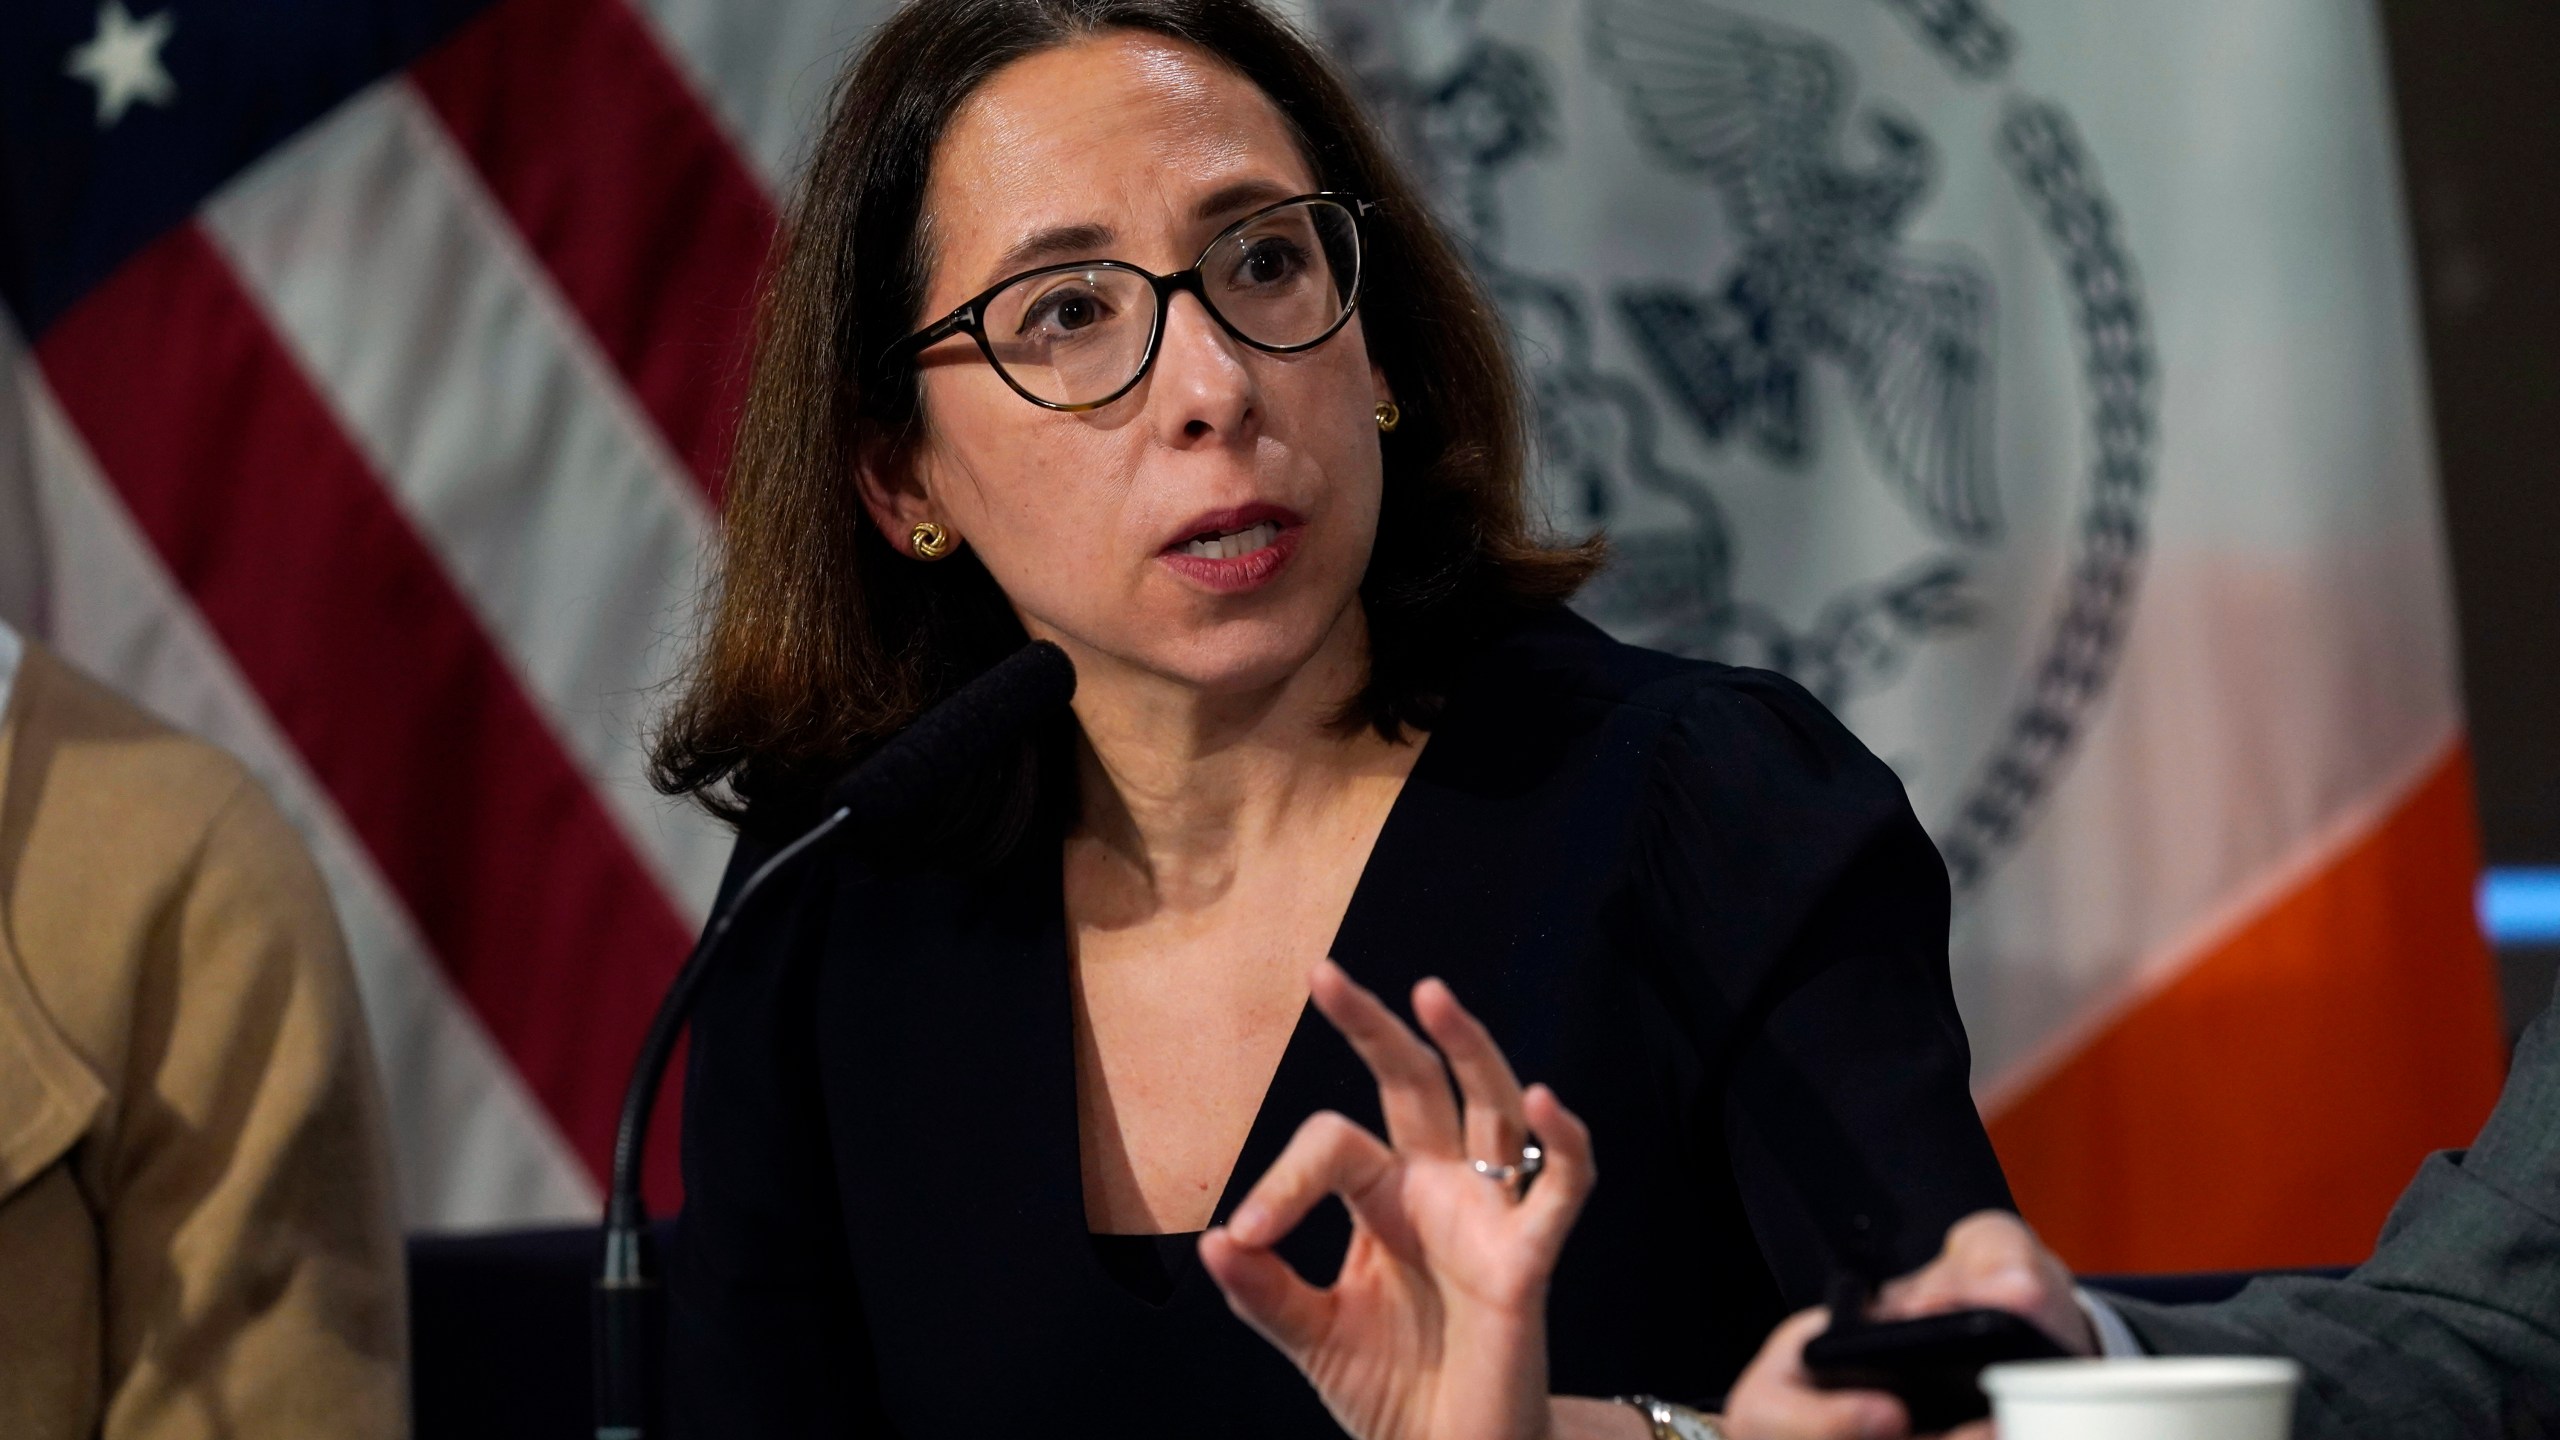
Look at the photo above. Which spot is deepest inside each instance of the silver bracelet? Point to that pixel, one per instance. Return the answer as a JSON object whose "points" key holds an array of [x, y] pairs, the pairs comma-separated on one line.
{"points": [[1673, 1422]]}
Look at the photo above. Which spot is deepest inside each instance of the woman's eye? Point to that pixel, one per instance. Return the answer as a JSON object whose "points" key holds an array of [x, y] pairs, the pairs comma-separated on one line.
{"points": [[1069, 308], [1271, 262]]}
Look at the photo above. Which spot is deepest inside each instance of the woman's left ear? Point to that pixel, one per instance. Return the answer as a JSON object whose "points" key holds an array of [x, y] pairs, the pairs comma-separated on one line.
{"points": [[891, 492], [1389, 413]]}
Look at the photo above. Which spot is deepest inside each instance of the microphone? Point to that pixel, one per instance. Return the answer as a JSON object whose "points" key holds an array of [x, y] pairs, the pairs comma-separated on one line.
{"points": [[963, 732]]}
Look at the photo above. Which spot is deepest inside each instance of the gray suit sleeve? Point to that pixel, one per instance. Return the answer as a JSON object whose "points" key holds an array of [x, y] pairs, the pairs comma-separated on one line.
{"points": [[2452, 1329]]}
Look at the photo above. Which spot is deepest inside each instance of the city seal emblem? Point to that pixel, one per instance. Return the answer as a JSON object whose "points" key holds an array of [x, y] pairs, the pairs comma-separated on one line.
{"points": [[1851, 403]]}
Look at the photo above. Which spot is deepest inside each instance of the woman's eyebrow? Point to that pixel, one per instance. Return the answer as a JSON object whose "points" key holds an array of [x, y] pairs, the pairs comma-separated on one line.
{"points": [[1239, 195], [1057, 242], [1088, 240]]}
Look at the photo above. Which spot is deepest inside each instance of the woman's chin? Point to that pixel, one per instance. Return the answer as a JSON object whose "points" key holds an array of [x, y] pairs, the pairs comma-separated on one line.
{"points": [[1222, 646], [1234, 656], [1227, 670]]}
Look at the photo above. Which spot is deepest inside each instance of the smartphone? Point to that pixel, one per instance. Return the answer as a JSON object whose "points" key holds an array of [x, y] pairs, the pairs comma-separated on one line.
{"points": [[1933, 1365]]}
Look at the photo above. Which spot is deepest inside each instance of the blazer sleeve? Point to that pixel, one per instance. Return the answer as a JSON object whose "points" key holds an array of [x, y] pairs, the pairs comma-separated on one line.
{"points": [[2452, 1329], [252, 1259], [1806, 912], [765, 1332]]}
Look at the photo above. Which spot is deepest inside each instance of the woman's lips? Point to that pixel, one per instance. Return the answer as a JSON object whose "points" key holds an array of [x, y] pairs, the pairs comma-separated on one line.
{"points": [[1232, 551]]}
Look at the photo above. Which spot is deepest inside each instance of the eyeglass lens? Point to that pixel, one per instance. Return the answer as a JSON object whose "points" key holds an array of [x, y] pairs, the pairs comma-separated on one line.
{"points": [[1077, 336]]}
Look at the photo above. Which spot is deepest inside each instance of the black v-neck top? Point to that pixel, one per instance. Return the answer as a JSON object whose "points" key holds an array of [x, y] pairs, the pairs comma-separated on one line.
{"points": [[1680, 893]]}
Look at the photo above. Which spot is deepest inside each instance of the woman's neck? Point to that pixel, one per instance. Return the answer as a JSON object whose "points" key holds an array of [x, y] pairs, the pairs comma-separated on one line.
{"points": [[1179, 786]]}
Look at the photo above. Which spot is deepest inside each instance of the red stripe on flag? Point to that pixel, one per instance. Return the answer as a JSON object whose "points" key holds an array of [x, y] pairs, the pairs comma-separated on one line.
{"points": [[374, 665], [631, 195]]}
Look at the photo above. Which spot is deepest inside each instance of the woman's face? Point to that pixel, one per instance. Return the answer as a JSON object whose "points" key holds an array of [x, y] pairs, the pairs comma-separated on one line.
{"points": [[1097, 524]]}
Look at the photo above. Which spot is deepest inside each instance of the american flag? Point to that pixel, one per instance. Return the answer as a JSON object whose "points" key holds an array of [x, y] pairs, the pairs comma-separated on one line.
{"points": [[374, 373]]}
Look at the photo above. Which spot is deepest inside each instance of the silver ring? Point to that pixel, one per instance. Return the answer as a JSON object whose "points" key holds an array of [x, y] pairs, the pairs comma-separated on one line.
{"points": [[1532, 1160]]}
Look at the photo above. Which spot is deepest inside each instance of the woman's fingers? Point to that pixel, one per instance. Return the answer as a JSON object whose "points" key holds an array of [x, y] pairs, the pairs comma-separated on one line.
{"points": [[1329, 1155], [1495, 1127], [1571, 1170], [1775, 1399], [1992, 1259], [1413, 1091], [1266, 1294]]}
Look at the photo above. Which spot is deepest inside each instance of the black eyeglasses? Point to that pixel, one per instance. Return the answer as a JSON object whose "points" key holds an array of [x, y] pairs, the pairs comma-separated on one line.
{"points": [[1079, 336]]}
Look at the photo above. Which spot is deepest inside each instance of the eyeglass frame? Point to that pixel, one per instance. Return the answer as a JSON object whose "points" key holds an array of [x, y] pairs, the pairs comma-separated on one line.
{"points": [[969, 317]]}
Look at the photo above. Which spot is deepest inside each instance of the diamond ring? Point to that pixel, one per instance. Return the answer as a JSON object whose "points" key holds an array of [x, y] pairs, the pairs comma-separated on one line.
{"points": [[1532, 1160]]}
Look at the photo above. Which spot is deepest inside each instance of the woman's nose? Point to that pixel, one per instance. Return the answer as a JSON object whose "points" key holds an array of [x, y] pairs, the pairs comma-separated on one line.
{"points": [[1203, 389]]}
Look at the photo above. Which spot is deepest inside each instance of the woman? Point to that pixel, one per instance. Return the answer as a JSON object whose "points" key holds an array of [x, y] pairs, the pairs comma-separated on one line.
{"points": [[1109, 322]]}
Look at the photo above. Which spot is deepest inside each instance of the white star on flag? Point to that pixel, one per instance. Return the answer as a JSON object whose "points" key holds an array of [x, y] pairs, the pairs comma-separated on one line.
{"points": [[123, 61]]}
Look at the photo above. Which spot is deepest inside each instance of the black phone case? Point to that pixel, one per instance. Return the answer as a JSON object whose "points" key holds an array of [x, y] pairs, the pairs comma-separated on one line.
{"points": [[1933, 1364]]}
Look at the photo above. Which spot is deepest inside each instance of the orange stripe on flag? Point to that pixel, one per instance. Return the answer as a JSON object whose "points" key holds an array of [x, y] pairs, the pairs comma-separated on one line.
{"points": [[2266, 1106]]}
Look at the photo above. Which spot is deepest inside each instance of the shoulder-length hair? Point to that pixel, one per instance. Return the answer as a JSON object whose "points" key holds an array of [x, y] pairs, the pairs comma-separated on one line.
{"points": [[823, 640]]}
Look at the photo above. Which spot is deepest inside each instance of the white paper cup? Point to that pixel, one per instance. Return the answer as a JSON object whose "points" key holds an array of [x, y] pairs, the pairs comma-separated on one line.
{"points": [[2201, 1398]]}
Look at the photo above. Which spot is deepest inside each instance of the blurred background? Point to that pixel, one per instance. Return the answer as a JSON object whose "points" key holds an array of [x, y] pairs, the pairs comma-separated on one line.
{"points": [[2134, 420], [2480, 141]]}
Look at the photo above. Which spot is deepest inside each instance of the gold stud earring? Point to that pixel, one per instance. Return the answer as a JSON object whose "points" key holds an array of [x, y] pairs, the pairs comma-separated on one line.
{"points": [[931, 541], [1389, 417]]}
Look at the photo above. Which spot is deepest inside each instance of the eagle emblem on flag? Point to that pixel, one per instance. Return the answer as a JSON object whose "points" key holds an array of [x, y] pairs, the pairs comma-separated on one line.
{"points": [[1824, 272]]}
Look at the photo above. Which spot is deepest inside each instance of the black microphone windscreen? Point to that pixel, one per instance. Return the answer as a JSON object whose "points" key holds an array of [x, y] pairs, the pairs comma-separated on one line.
{"points": [[963, 732]]}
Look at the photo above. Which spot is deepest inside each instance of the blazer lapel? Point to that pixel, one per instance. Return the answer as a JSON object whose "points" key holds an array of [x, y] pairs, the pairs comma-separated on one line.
{"points": [[48, 1096], [1468, 882], [1411, 916]]}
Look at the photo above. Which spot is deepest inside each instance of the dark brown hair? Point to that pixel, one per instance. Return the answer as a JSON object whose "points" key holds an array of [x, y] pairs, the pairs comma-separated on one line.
{"points": [[823, 640]]}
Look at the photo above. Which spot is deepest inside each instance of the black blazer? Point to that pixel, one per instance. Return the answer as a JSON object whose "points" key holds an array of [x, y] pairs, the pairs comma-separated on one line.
{"points": [[1680, 893]]}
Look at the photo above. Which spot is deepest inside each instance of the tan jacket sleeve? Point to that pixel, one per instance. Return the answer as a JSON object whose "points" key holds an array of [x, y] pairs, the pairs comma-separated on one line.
{"points": [[252, 1271]]}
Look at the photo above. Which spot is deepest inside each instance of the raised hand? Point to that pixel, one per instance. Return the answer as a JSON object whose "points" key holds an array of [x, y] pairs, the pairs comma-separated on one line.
{"points": [[1436, 1327]]}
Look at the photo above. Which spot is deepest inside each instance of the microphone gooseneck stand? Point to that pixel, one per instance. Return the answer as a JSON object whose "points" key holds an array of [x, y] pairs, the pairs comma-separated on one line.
{"points": [[966, 729]]}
